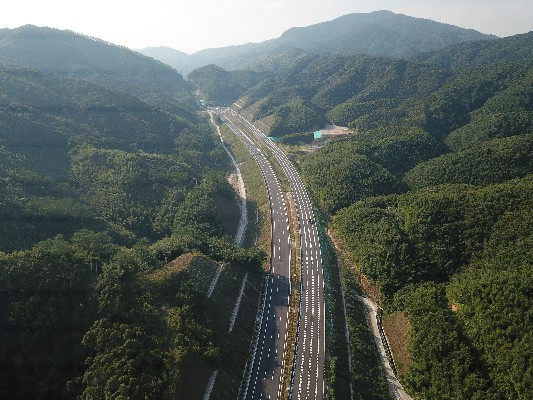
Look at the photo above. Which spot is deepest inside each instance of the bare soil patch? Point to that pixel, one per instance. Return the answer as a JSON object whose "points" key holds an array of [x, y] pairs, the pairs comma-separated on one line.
{"points": [[335, 130]]}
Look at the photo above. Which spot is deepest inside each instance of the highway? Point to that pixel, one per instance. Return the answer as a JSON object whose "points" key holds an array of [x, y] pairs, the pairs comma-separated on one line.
{"points": [[308, 369], [266, 378]]}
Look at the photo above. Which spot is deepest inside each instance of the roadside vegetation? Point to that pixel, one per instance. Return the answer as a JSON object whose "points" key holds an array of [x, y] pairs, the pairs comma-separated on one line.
{"points": [[430, 197], [116, 211], [451, 219]]}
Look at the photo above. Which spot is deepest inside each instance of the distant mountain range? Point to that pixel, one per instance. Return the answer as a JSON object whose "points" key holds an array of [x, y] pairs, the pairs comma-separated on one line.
{"points": [[380, 33], [298, 91], [166, 55]]}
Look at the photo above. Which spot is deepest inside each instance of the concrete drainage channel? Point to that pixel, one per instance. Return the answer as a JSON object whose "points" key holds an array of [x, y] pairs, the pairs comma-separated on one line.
{"points": [[237, 304], [385, 341], [210, 385], [214, 282]]}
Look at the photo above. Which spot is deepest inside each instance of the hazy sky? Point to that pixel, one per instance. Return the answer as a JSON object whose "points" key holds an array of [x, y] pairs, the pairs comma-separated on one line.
{"points": [[192, 25]]}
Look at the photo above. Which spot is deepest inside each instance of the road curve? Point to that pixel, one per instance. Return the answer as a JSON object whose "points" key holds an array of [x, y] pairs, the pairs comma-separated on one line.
{"points": [[308, 369]]}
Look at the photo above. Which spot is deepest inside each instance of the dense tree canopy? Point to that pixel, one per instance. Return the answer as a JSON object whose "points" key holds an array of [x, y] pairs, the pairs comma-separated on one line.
{"points": [[46, 306], [431, 196], [345, 177], [491, 162], [106, 174]]}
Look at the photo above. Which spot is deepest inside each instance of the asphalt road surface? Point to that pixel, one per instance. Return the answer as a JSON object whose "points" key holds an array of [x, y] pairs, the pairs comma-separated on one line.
{"points": [[308, 368], [268, 361]]}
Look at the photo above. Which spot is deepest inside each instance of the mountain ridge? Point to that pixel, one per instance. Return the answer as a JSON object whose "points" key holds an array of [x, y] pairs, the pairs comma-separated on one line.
{"points": [[381, 33], [69, 54]]}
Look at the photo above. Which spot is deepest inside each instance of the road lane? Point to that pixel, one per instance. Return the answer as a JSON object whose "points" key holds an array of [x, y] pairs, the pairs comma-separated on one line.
{"points": [[308, 371], [266, 377]]}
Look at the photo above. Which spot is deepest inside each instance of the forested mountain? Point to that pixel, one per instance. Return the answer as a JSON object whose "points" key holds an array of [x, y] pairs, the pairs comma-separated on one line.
{"points": [[167, 55], [457, 260], [431, 196], [365, 92], [67, 54], [480, 53], [221, 86], [106, 173], [337, 88], [379, 33]]}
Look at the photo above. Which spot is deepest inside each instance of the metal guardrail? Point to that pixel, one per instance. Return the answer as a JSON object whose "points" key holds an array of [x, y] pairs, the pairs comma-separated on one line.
{"points": [[385, 342]]}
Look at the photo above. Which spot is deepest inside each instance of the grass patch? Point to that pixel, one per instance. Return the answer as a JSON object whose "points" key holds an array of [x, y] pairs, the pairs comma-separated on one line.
{"points": [[235, 346], [397, 328], [258, 229], [295, 293], [221, 302], [202, 268]]}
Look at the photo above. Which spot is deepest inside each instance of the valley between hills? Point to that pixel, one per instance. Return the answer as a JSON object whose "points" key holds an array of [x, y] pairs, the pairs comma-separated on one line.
{"points": [[120, 272]]}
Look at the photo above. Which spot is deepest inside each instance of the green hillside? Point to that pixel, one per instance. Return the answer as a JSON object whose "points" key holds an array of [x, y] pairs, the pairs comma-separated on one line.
{"points": [[451, 246], [106, 174], [55, 131], [68, 54], [414, 244], [221, 86], [365, 92], [479, 53], [167, 55], [491, 162], [310, 90]]}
